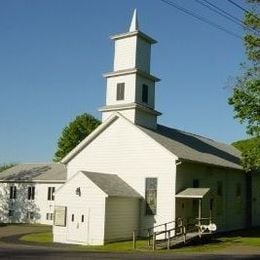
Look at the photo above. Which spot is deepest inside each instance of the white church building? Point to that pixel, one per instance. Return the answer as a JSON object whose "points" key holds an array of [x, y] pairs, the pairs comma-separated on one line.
{"points": [[133, 173]]}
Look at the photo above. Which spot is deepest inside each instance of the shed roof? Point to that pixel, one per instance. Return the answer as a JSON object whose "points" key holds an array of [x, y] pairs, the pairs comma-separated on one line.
{"points": [[112, 185], [196, 148], [34, 172], [194, 193]]}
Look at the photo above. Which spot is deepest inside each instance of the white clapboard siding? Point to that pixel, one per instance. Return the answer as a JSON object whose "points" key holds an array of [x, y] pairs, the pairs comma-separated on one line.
{"points": [[125, 150], [122, 217], [125, 52], [143, 55], [130, 89]]}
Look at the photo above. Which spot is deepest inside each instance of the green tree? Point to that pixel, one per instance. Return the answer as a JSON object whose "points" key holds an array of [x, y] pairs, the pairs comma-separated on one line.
{"points": [[250, 149], [245, 98], [74, 133]]}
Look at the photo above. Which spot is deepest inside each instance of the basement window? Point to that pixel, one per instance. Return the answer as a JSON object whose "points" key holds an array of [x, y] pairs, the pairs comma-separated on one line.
{"points": [[30, 215], [11, 213], [49, 216]]}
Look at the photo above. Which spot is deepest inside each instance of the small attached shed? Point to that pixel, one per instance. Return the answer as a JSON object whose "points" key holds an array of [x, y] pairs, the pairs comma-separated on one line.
{"points": [[95, 208]]}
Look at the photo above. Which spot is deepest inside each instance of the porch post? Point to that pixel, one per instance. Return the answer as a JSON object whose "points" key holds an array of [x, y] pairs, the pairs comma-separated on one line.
{"points": [[200, 210]]}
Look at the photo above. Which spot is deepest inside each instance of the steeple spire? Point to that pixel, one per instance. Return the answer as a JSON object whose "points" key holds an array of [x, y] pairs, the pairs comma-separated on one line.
{"points": [[134, 23]]}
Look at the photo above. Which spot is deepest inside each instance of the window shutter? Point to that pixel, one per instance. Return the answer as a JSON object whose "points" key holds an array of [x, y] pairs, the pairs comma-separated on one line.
{"points": [[120, 91], [145, 93]]}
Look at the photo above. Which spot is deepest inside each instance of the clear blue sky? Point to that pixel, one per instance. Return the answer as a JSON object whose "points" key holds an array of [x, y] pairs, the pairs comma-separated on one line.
{"points": [[53, 54]]}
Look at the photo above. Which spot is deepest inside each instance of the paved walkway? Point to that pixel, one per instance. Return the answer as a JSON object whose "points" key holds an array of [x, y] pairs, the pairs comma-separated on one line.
{"points": [[20, 229]]}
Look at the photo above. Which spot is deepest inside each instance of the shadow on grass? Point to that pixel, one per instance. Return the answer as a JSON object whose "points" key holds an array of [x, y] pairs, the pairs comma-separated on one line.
{"points": [[3, 224], [251, 232]]}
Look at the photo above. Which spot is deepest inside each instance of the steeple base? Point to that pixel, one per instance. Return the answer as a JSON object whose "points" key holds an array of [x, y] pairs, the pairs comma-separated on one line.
{"points": [[136, 113]]}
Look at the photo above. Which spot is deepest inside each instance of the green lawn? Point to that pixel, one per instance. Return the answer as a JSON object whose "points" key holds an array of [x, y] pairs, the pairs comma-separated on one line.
{"points": [[41, 237], [241, 238]]}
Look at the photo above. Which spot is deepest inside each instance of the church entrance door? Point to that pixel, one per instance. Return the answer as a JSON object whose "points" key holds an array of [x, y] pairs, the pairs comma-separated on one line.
{"points": [[77, 225]]}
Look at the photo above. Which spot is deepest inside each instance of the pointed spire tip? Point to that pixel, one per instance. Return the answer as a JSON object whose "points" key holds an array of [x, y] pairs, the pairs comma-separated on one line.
{"points": [[134, 23]]}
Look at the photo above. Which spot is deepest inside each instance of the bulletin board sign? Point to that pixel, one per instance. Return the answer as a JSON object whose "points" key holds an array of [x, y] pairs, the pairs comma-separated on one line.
{"points": [[60, 216]]}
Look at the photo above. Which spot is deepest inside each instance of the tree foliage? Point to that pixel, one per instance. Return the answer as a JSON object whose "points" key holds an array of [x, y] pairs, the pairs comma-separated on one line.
{"points": [[74, 133], [245, 98], [250, 149]]}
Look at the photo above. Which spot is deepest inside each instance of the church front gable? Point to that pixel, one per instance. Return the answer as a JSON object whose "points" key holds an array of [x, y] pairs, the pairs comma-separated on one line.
{"points": [[123, 149]]}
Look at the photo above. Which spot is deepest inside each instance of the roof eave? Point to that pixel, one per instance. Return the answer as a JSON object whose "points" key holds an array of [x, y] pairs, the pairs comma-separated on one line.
{"points": [[133, 33], [211, 164]]}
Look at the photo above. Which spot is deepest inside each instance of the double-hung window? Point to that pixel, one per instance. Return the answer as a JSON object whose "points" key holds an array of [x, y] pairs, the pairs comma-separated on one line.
{"points": [[51, 191], [13, 192], [31, 193]]}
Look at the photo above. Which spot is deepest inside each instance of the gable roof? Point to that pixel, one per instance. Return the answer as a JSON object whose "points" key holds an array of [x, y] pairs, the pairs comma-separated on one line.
{"points": [[112, 185], [195, 148], [186, 146], [35, 172]]}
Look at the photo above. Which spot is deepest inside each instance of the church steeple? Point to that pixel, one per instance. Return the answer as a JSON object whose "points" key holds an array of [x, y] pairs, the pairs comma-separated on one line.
{"points": [[130, 86]]}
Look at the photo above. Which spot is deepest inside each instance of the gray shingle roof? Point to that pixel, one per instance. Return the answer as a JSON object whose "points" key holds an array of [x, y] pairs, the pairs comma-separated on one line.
{"points": [[35, 172], [112, 185], [192, 147]]}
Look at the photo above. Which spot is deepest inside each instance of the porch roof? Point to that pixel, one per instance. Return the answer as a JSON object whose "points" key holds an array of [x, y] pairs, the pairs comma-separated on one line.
{"points": [[193, 193]]}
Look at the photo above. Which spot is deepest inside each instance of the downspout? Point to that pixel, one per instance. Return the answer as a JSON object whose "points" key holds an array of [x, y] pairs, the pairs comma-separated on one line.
{"points": [[248, 199]]}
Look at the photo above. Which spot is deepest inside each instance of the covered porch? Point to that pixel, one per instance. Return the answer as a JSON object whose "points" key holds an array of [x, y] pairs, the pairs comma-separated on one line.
{"points": [[194, 207]]}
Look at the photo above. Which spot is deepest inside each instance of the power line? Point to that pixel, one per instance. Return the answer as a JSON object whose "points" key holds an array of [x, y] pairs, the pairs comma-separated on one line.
{"points": [[243, 9], [201, 18], [224, 14], [221, 12]]}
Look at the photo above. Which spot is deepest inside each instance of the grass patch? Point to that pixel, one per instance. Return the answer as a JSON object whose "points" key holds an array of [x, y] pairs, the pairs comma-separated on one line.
{"points": [[242, 238], [46, 238], [126, 246], [41, 237]]}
